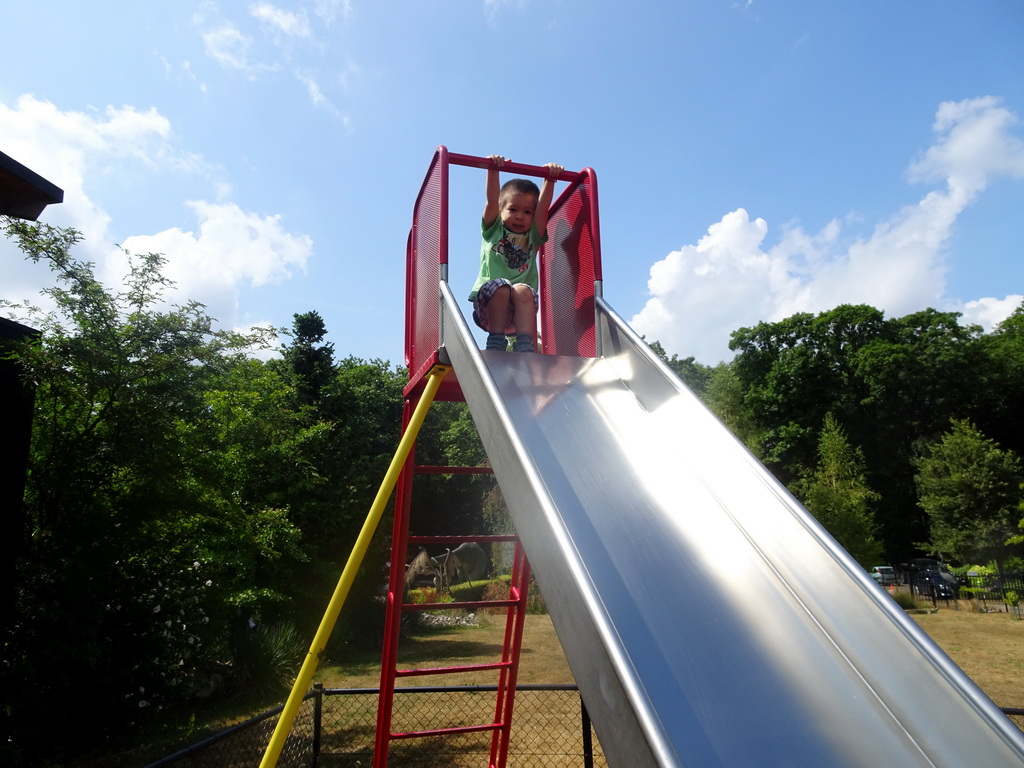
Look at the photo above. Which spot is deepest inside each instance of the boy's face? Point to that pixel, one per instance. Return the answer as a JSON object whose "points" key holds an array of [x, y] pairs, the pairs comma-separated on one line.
{"points": [[517, 211]]}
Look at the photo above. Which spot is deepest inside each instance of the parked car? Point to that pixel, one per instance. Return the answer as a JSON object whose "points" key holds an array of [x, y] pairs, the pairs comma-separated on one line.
{"points": [[885, 575], [933, 584]]}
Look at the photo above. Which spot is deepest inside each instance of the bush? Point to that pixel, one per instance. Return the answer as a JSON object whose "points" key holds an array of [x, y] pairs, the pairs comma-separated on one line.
{"points": [[425, 595], [268, 657], [496, 590], [1012, 599], [535, 601], [469, 593], [904, 600]]}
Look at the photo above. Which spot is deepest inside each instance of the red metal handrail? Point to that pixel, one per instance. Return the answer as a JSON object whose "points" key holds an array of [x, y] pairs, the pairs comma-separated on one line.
{"points": [[509, 167]]}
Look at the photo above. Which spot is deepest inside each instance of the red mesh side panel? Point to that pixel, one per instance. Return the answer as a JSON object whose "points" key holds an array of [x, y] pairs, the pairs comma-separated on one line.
{"points": [[570, 264], [425, 253]]}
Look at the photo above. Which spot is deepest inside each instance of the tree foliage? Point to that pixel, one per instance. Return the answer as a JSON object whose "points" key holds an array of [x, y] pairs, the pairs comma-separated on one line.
{"points": [[695, 375], [891, 383], [449, 504], [837, 494], [180, 492], [312, 365], [970, 488]]}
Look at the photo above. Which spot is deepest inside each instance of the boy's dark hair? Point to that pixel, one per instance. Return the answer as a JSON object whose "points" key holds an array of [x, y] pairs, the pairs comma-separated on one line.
{"points": [[520, 186]]}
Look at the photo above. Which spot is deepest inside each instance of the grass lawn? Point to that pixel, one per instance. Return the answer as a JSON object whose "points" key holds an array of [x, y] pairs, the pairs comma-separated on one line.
{"points": [[989, 647], [542, 659]]}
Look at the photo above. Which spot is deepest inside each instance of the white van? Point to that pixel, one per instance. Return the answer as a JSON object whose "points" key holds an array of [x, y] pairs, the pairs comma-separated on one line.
{"points": [[884, 574]]}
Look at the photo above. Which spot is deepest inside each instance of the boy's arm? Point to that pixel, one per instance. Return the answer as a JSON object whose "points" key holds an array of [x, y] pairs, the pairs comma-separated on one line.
{"points": [[547, 189], [493, 189]]}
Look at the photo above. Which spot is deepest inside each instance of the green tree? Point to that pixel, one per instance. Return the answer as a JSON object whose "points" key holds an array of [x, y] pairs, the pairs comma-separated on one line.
{"points": [[724, 395], [130, 535], [321, 460], [311, 361], [450, 504], [1001, 416], [1018, 538], [924, 370], [695, 375], [837, 494], [257, 442], [892, 383], [970, 489], [354, 431], [797, 370]]}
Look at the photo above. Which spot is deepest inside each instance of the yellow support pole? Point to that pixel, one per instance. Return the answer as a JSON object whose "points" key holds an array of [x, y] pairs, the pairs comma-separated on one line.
{"points": [[305, 677]]}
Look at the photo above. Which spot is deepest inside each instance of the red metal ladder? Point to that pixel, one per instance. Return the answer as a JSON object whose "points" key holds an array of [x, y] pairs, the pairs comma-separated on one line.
{"points": [[507, 668]]}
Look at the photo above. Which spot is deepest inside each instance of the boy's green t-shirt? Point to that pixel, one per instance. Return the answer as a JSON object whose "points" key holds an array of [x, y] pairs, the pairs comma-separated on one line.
{"points": [[511, 255]]}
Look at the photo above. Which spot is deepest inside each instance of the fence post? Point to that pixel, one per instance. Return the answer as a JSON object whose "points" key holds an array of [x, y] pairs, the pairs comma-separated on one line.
{"points": [[588, 739], [318, 710]]}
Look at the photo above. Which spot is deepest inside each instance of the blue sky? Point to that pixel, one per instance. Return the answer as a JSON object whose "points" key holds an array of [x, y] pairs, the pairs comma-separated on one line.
{"points": [[754, 158]]}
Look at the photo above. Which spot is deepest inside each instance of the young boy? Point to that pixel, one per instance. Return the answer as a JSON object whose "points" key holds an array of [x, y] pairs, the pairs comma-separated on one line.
{"points": [[514, 225]]}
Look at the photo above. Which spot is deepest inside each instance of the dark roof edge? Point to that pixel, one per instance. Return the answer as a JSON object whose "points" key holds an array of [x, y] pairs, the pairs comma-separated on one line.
{"points": [[23, 192]]}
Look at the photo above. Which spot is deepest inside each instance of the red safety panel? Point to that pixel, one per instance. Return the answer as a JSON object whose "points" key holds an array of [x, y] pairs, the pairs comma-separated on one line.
{"points": [[427, 250], [569, 265]]}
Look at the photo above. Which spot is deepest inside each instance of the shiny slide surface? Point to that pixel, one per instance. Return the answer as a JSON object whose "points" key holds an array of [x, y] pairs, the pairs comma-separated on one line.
{"points": [[708, 619]]}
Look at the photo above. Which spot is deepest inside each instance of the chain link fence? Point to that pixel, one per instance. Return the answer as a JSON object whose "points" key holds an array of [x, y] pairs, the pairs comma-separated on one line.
{"points": [[243, 745], [335, 728]]}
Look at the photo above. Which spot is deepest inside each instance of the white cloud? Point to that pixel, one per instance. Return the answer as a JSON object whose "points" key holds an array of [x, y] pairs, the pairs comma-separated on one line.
{"points": [[329, 10], [67, 148], [232, 48], [233, 248], [729, 279], [990, 312], [315, 93], [349, 73], [725, 275], [286, 22], [975, 144], [284, 40]]}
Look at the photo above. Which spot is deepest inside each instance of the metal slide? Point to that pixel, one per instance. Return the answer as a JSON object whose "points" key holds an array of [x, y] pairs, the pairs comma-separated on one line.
{"points": [[708, 619]]}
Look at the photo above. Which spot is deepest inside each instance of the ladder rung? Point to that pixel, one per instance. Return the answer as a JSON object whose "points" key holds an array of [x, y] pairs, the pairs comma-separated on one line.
{"points": [[447, 731], [425, 469], [503, 538], [458, 606], [452, 670]]}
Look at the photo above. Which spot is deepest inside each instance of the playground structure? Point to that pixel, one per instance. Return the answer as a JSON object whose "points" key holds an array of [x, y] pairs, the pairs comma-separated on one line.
{"points": [[708, 618]]}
